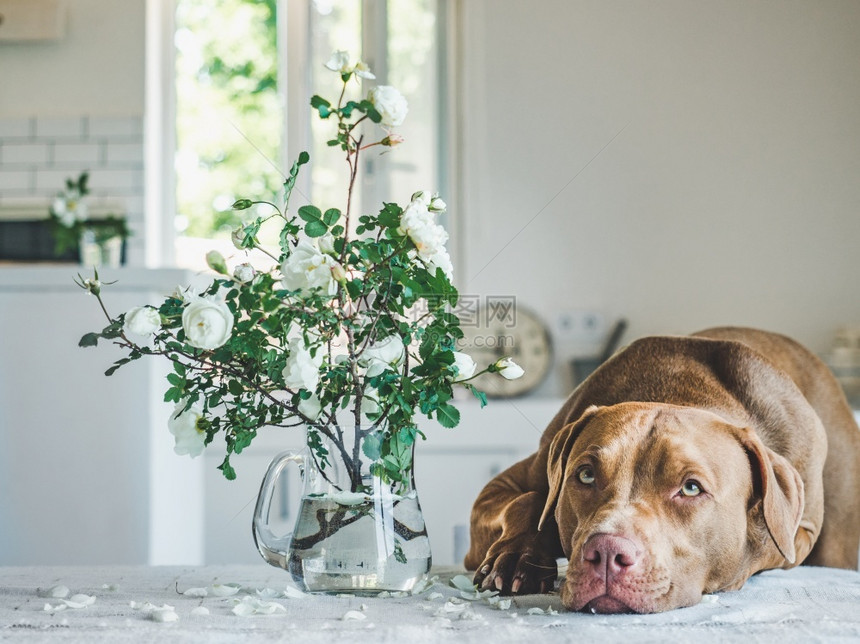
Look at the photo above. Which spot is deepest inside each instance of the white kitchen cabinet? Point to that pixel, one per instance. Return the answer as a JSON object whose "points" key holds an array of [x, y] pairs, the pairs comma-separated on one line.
{"points": [[87, 470], [451, 468]]}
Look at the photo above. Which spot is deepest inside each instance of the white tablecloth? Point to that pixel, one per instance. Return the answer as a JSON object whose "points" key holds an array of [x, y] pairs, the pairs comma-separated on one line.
{"points": [[801, 605]]}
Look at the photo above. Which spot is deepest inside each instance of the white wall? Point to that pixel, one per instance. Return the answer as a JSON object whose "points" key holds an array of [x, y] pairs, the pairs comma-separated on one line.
{"points": [[77, 104], [730, 195], [96, 69]]}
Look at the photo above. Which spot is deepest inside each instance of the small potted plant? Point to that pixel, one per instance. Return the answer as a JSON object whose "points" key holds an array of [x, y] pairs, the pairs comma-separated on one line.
{"points": [[98, 242]]}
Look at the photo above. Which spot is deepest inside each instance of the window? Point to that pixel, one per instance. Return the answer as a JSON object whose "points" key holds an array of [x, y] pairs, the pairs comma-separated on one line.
{"points": [[244, 73]]}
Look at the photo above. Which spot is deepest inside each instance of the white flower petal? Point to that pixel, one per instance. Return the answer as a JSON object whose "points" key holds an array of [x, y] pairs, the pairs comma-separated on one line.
{"points": [[188, 439], [536, 611], [451, 607], [461, 582], [56, 592], [268, 593], [54, 609], [223, 590], [252, 606], [79, 601], [350, 498], [164, 615], [196, 592], [200, 610], [509, 369], [353, 615], [243, 610], [339, 61], [294, 593], [498, 602]]}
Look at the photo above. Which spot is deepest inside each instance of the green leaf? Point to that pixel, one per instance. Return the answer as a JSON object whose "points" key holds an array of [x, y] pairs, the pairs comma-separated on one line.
{"points": [[235, 387], [176, 380], [372, 446], [322, 106], [113, 330], [477, 393], [89, 340], [227, 469], [310, 213], [331, 216], [315, 226], [448, 416], [315, 229], [116, 365], [290, 182]]}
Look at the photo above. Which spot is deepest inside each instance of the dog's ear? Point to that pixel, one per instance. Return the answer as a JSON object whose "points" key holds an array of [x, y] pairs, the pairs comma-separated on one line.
{"points": [[556, 464], [781, 490]]}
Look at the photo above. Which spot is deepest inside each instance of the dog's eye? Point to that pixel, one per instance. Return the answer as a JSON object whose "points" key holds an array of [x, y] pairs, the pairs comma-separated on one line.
{"points": [[585, 474], [691, 487]]}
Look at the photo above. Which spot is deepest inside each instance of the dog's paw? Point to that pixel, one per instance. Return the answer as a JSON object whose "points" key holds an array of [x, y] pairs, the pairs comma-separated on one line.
{"points": [[516, 569]]}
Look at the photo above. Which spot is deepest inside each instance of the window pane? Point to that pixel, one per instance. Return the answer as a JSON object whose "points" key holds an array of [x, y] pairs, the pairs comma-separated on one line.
{"points": [[228, 114], [412, 68], [334, 25]]}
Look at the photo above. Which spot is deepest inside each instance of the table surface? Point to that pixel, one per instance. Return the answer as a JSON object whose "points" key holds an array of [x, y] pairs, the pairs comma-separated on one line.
{"points": [[804, 604]]}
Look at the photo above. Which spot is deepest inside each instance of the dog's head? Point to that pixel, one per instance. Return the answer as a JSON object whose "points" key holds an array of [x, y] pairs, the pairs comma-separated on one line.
{"points": [[658, 504]]}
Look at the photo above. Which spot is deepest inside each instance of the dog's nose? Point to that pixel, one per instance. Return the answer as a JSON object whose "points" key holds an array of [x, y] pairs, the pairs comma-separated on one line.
{"points": [[610, 555]]}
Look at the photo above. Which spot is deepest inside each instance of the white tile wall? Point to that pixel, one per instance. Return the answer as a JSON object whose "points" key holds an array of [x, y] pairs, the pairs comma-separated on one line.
{"points": [[38, 154], [23, 154], [78, 154], [12, 129], [60, 128]]}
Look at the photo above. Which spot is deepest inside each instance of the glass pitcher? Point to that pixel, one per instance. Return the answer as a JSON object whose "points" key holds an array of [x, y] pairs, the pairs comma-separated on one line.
{"points": [[354, 533]]}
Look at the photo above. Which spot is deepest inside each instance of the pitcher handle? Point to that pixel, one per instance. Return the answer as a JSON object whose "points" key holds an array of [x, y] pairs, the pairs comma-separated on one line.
{"points": [[272, 548]]}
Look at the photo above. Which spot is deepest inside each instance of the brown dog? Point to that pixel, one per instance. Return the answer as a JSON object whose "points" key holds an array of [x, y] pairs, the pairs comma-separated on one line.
{"points": [[682, 466]]}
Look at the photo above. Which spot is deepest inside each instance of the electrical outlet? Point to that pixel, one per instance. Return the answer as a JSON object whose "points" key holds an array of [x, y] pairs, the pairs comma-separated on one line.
{"points": [[581, 326]]}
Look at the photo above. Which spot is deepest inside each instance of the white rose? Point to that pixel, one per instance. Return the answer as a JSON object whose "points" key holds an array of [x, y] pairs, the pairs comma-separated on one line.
{"points": [[465, 366], [363, 71], [326, 244], [370, 401], [311, 408], [339, 62], [244, 273], [184, 427], [420, 225], [208, 322], [185, 293], [308, 268], [142, 321], [302, 370], [384, 354], [390, 104], [237, 237], [441, 259], [437, 205], [509, 369]]}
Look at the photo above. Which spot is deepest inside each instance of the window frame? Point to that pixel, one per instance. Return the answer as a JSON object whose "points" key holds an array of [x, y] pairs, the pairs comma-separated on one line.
{"points": [[293, 55]]}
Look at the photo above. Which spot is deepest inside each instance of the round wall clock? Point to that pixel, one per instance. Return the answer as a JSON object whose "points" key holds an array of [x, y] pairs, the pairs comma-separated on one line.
{"points": [[498, 329]]}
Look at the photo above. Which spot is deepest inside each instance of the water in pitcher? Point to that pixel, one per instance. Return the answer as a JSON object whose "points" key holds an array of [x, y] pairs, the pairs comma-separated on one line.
{"points": [[359, 544]]}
